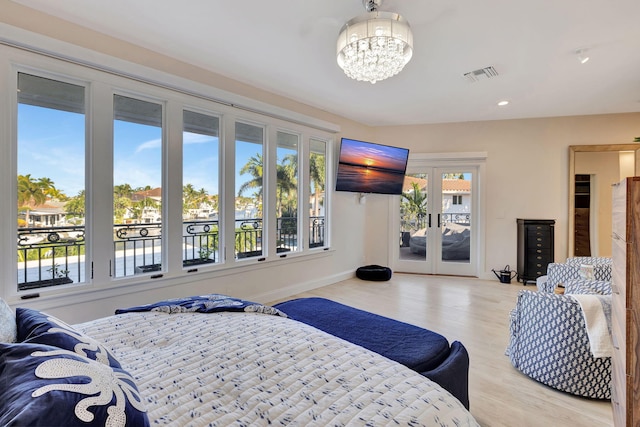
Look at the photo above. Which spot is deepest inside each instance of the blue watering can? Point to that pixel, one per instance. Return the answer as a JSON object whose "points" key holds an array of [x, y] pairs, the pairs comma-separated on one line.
{"points": [[505, 275]]}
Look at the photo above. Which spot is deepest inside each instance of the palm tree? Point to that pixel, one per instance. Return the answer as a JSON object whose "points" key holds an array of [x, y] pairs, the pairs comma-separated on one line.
{"points": [[30, 193], [453, 176], [254, 167], [122, 190], [213, 201], [76, 205], [122, 194], [188, 198], [317, 178], [414, 204], [137, 208], [121, 205], [49, 189], [193, 199], [287, 173], [202, 197]]}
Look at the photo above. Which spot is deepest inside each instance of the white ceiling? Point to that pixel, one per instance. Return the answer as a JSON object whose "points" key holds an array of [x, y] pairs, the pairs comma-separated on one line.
{"points": [[288, 47]]}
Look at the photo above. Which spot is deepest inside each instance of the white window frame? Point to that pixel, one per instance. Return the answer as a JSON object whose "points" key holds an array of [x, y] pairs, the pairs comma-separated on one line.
{"points": [[176, 94]]}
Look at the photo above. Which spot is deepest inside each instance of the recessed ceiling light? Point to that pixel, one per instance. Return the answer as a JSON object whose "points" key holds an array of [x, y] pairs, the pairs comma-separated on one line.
{"points": [[503, 103], [582, 55]]}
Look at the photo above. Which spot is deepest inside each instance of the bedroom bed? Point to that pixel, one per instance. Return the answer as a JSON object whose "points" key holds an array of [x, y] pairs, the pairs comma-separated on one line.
{"points": [[247, 366]]}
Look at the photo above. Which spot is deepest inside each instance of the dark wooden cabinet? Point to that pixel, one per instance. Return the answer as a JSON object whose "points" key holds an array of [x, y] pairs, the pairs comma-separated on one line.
{"points": [[535, 248]]}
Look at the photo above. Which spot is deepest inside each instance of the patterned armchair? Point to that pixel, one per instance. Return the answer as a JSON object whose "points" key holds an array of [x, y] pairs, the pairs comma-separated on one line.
{"points": [[549, 343], [585, 286], [589, 260], [561, 273]]}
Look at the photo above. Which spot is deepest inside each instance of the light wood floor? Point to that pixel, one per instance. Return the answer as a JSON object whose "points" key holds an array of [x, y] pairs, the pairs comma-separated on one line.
{"points": [[475, 312]]}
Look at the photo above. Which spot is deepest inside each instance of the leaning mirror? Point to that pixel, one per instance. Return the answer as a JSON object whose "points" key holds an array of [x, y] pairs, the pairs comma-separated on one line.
{"points": [[592, 171]]}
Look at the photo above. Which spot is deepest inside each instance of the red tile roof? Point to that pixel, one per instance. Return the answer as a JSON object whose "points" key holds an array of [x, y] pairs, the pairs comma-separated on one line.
{"points": [[457, 185], [448, 185], [409, 180], [155, 193]]}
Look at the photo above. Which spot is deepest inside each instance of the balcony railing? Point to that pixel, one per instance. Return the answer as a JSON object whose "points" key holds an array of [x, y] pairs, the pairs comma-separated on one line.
{"points": [[462, 218], [49, 256]]}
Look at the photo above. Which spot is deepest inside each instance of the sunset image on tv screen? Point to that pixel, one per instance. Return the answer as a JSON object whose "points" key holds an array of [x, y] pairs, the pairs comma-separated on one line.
{"points": [[366, 167]]}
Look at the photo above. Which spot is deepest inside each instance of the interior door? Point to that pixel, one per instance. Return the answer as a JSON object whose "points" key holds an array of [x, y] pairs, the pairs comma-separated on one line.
{"points": [[438, 221]]}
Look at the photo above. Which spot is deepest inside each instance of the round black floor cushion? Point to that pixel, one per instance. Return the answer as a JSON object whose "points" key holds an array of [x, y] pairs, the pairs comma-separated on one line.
{"points": [[377, 273]]}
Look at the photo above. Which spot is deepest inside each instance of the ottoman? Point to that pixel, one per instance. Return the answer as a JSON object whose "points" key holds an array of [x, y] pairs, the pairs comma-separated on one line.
{"points": [[424, 351]]}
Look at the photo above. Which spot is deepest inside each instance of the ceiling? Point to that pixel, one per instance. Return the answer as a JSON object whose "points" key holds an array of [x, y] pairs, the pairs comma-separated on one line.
{"points": [[288, 47]]}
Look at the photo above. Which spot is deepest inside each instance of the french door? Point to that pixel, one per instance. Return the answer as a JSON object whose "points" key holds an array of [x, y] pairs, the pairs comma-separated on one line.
{"points": [[437, 221]]}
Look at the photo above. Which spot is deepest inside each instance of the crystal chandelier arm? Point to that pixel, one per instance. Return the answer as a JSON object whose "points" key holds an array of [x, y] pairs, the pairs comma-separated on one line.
{"points": [[371, 5], [374, 46]]}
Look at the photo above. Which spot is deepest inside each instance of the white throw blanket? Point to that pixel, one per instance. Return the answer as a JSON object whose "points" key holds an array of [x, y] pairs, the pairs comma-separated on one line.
{"points": [[596, 310]]}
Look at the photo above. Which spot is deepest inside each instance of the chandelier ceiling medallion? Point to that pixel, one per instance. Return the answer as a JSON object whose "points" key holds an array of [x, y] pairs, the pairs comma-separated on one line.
{"points": [[374, 46]]}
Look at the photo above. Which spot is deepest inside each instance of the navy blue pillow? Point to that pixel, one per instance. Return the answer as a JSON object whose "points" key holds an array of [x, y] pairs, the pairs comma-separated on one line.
{"points": [[47, 386], [36, 327]]}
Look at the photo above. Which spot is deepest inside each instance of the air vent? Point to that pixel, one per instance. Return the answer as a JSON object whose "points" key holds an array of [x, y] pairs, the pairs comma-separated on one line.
{"points": [[482, 73]]}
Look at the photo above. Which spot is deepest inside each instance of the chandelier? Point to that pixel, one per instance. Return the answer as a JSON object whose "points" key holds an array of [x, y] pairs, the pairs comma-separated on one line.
{"points": [[374, 46]]}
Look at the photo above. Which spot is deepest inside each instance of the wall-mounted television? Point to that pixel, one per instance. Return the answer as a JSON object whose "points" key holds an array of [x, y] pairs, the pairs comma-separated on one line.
{"points": [[366, 167]]}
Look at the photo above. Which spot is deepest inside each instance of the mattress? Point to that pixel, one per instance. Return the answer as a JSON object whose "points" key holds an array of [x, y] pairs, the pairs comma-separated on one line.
{"points": [[243, 368]]}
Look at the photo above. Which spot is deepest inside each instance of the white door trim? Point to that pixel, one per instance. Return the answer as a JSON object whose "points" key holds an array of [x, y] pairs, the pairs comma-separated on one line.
{"points": [[446, 160]]}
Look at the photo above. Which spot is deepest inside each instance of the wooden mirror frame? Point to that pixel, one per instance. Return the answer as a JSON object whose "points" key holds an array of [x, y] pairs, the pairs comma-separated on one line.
{"points": [[573, 149]]}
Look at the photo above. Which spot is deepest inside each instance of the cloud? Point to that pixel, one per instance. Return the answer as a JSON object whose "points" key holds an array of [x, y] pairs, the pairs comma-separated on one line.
{"points": [[152, 144], [194, 138]]}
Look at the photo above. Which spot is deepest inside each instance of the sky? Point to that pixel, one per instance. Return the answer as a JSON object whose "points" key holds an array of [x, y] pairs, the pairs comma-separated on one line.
{"points": [[51, 145], [374, 155]]}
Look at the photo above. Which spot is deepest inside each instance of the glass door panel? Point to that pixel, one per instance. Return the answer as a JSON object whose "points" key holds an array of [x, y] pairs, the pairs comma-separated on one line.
{"points": [[436, 222], [454, 219], [414, 218]]}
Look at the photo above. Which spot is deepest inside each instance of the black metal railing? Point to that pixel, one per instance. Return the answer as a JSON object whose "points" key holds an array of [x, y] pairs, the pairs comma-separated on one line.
{"points": [[248, 239], [462, 218], [200, 242], [287, 238], [49, 256], [137, 248], [316, 231]]}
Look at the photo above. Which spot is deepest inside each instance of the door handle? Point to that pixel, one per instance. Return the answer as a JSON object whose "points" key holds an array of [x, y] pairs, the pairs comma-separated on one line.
{"points": [[429, 220], [439, 225]]}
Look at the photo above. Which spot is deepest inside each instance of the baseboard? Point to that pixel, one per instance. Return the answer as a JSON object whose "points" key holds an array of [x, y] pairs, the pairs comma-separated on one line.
{"points": [[297, 288]]}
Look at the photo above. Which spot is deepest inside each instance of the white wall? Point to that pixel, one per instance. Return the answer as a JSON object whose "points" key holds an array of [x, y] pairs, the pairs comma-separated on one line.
{"points": [[259, 281], [526, 172], [526, 177]]}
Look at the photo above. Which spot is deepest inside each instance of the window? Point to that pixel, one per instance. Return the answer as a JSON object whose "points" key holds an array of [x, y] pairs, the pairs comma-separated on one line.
{"points": [[249, 190], [97, 195], [317, 186], [200, 191], [50, 182], [137, 186], [287, 192], [457, 199]]}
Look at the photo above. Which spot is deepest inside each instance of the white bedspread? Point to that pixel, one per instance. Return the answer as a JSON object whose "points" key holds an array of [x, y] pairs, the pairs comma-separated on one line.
{"points": [[245, 369]]}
